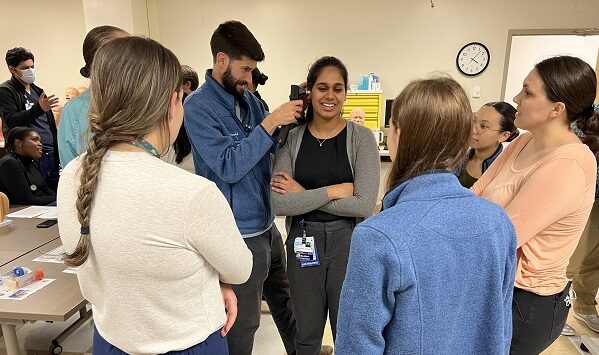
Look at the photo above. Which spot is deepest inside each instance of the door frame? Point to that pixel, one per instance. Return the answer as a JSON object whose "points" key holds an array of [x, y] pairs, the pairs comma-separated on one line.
{"points": [[542, 32]]}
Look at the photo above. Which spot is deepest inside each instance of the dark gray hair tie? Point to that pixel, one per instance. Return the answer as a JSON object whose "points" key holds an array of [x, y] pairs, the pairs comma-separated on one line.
{"points": [[84, 230], [84, 71]]}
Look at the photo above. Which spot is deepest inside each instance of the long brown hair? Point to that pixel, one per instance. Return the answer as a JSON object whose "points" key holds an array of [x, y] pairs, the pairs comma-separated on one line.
{"points": [[572, 81], [435, 122], [132, 81]]}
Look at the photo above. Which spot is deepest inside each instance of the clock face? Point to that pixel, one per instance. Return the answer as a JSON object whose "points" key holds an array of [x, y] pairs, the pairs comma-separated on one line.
{"points": [[473, 59]]}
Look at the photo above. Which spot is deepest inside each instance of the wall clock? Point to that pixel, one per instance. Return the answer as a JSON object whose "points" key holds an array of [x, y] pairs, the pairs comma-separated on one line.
{"points": [[473, 59]]}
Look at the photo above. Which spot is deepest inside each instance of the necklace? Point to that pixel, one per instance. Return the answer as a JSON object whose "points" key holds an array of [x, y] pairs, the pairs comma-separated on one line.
{"points": [[320, 142]]}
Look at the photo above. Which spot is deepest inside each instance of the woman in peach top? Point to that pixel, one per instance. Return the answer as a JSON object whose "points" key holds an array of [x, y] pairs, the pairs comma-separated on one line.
{"points": [[545, 180]]}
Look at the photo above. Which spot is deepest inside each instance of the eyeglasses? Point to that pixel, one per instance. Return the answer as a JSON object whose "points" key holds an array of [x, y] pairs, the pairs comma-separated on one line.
{"points": [[482, 127]]}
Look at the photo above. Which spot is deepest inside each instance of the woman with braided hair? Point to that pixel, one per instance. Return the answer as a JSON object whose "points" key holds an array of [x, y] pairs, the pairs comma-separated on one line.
{"points": [[151, 254]]}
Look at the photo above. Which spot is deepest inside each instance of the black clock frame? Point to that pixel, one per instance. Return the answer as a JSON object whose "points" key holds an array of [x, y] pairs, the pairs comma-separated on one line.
{"points": [[457, 59]]}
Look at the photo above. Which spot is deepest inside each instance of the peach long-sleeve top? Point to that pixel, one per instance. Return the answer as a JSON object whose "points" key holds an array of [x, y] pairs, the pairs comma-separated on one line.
{"points": [[549, 203]]}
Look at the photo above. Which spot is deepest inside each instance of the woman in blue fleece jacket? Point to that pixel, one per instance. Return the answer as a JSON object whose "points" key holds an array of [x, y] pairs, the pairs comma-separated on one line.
{"points": [[433, 273]]}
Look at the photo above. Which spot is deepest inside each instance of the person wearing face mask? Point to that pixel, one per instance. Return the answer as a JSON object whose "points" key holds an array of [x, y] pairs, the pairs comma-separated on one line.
{"points": [[20, 176], [492, 125], [24, 104]]}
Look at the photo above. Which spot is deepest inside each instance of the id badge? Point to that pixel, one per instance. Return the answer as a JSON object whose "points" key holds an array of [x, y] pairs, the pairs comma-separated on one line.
{"points": [[303, 245], [314, 261], [306, 252]]}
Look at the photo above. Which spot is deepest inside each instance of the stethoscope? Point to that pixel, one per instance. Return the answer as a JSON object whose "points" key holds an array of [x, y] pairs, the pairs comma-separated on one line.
{"points": [[33, 187]]}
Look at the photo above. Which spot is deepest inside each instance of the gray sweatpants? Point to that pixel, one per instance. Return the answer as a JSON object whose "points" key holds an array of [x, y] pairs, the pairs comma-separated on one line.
{"points": [[316, 290], [268, 279]]}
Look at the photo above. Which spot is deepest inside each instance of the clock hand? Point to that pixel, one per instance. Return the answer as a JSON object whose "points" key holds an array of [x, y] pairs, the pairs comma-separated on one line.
{"points": [[474, 61], [476, 55]]}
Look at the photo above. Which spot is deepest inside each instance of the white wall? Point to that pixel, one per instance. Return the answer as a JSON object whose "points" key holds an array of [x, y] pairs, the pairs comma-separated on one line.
{"points": [[130, 15], [526, 51], [54, 31], [400, 40], [103, 12]]}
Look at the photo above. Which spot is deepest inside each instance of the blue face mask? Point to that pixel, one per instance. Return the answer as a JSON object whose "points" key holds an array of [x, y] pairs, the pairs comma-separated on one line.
{"points": [[28, 75]]}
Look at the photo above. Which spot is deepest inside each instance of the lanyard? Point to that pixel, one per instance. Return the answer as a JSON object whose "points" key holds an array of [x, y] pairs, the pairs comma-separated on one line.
{"points": [[302, 225], [145, 145]]}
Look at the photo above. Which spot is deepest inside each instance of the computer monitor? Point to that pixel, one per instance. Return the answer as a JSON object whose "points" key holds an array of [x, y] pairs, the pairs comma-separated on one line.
{"points": [[388, 106]]}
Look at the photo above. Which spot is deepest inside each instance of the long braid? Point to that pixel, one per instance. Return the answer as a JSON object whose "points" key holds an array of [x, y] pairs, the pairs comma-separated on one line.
{"points": [[90, 171], [127, 102]]}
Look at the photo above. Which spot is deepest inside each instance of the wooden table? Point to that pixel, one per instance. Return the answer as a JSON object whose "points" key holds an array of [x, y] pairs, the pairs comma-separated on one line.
{"points": [[57, 301], [20, 243], [22, 236], [8, 256]]}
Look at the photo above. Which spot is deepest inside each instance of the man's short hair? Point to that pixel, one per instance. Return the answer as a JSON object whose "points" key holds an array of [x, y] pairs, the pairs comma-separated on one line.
{"points": [[235, 40], [189, 74], [17, 55]]}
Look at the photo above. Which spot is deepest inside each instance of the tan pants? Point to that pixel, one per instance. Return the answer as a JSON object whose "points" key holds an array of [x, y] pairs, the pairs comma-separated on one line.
{"points": [[583, 268]]}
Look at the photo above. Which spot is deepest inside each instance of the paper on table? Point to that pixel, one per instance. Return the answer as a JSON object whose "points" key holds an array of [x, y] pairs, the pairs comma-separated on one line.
{"points": [[24, 292], [32, 212], [52, 214], [53, 256]]}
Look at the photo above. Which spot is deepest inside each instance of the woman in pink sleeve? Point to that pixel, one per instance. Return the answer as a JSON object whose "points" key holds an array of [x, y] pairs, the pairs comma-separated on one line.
{"points": [[545, 180]]}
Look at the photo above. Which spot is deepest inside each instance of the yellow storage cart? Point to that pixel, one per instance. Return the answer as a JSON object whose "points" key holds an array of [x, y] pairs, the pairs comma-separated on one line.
{"points": [[370, 102]]}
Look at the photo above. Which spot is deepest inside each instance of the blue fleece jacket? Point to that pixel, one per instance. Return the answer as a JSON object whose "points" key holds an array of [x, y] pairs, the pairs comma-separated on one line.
{"points": [[233, 154], [433, 273]]}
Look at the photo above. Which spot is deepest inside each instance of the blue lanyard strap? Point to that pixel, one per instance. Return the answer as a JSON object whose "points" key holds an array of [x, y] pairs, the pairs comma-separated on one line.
{"points": [[302, 225], [145, 145]]}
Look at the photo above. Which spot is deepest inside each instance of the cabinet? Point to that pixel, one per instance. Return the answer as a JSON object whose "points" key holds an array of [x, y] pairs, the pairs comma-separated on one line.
{"points": [[370, 102]]}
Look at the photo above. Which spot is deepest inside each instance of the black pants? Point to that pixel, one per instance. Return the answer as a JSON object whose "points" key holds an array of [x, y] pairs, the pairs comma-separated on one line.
{"points": [[268, 278], [537, 320], [316, 290]]}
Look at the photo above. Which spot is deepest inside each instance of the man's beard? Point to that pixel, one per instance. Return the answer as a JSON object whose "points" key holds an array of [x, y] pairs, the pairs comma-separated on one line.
{"points": [[230, 84]]}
